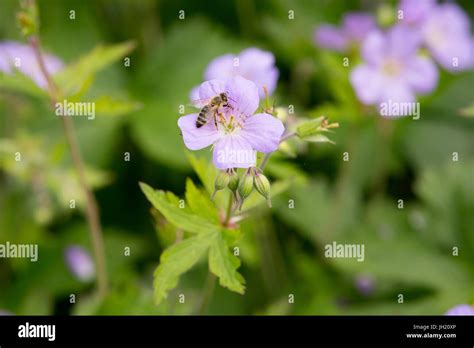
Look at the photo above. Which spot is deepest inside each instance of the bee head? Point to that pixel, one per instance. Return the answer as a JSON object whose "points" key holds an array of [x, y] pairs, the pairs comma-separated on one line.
{"points": [[223, 97]]}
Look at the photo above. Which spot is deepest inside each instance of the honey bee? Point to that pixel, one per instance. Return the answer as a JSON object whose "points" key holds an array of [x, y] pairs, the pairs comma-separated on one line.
{"points": [[211, 109]]}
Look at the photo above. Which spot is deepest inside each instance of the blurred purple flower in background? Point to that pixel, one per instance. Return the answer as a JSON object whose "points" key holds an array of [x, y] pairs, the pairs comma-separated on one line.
{"points": [[252, 64], [14, 55], [392, 70], [239, 132], [80, 263], [365, 285], [5, 313], [462, 309], [445, 31], [415, 11], [355, 27]]}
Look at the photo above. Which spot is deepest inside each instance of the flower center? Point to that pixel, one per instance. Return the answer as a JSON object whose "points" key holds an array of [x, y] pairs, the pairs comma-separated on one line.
{"points": [[392, 67], [229, 123]]}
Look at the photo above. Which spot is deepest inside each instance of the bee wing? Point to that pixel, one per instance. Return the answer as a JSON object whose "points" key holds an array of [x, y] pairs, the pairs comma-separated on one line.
{"points": [[199, 103]]}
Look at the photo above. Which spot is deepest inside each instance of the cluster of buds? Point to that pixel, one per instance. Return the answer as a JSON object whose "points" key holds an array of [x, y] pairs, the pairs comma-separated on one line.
{"points": [[242, 187]]}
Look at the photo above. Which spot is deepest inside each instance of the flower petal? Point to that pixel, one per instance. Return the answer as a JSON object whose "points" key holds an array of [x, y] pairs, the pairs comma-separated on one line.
{"points": [[331, 37], [367, 83], [397, 90], [243, 95], [197, 138], [357, 25], [422, 74], [374, 47], [403, 42], [263, 132], [221, 67], [259, 66], [414, 12], [233, 151], [211, 88]]}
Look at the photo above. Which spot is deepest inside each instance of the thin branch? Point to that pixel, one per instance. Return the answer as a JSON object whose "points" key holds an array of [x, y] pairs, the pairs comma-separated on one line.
{"points": [[92, 211]]}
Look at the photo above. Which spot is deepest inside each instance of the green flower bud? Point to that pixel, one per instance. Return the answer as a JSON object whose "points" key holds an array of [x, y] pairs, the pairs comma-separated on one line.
{"points": [[309, 128], [222, 180], [233, 181], [245, 187], [262, 185]]}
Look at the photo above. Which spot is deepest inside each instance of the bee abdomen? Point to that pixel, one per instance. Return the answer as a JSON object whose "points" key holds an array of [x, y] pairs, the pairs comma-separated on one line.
{"points": [[202, 119]]}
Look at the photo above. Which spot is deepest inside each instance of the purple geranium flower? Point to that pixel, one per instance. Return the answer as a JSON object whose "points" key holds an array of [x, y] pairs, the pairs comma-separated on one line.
{"points": [[355, 27], [239, 133], [365, 285], [252, 64], [444, 29], [462, 309], [446, 33], [14, 55], [415, 12], [80, 263], [392, 70]]}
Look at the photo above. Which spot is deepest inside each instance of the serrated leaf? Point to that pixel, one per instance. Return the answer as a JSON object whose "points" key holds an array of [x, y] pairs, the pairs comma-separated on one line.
{"points": [[224, 265], [177, 216], [75, 76], [176, 260], [200, 202]]}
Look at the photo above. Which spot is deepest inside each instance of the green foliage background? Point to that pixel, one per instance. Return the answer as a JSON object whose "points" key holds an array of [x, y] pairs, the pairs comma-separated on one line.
{"points": [[408, 251]]}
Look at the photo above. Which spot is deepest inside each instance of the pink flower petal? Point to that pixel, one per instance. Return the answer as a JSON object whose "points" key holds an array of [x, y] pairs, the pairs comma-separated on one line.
{"points": [[422, 74], [331, 37], [233, 151], [243, 95], [367, 83], [211, 88], [197, 138], [263, 132], [221, 67]]}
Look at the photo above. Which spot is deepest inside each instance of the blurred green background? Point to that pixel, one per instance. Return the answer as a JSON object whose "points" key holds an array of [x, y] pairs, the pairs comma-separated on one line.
{"points": [[407, 251]]}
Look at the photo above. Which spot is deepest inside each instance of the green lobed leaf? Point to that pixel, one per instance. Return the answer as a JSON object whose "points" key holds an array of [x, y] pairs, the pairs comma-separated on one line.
{"points": [[224, 264], [177, 216], [200, 202], [176, 260]]}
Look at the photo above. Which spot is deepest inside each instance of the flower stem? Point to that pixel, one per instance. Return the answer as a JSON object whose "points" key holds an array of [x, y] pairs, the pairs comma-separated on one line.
{"points": [[208, 292], [92, 212], [228, 214]]}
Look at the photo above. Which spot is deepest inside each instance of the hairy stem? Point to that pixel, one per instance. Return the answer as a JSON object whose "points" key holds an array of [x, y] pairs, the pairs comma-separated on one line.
{"points": [[92, 211]]}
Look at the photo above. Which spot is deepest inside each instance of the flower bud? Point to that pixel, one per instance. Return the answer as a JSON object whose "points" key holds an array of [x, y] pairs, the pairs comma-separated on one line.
{"points": [[262, 185], [233, 181], [222, 180], [310, 127], [245, 187]]}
